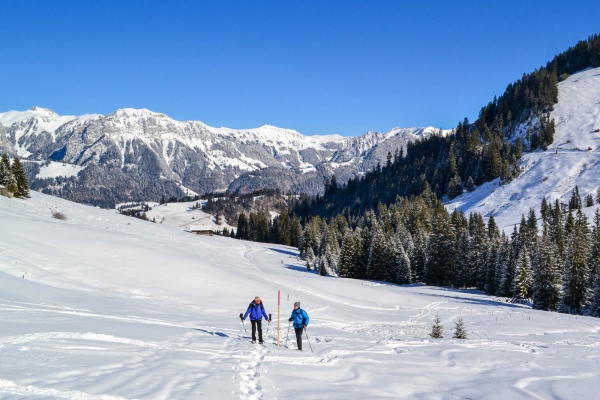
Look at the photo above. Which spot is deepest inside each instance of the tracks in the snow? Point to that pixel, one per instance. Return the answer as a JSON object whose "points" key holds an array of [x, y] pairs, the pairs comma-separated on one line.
{"points": [[250, 386]]}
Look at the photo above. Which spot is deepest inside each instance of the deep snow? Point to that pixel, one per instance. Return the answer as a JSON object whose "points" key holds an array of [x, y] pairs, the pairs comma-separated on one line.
{"points": [[112, 307]]}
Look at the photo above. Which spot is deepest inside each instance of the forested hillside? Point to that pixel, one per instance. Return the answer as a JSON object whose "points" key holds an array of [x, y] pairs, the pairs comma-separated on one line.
{"points": [[474, 153]]}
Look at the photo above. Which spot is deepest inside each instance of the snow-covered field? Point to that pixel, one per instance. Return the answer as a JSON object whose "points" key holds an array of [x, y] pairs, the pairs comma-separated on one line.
{"points": [[182, 215], [553, 173], [112, 307]]}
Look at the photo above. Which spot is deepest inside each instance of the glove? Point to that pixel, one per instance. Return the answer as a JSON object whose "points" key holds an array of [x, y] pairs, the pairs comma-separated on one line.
{"points": [[303, 325], [291, 319]]}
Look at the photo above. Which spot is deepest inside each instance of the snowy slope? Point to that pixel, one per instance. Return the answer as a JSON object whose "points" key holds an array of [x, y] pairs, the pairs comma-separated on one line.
{"points": [[555, 172], [116, 308], [182, 215]]}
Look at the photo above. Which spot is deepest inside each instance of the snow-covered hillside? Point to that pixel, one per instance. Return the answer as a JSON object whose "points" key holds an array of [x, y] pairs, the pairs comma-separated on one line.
{"points": [[111, 307], [573, 158]]}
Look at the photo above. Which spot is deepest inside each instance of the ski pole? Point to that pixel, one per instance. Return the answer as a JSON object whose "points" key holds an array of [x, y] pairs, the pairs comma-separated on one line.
{"points": [[288, 334], [242, 318], [311, 350], [268, 326]]}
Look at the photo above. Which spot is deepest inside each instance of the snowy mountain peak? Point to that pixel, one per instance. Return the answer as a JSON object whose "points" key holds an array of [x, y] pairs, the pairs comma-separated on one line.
{"points": [[44, 111]]}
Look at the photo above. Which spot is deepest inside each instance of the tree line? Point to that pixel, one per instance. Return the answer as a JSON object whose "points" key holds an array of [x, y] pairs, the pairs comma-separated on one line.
{"points": [[259, 227], [13, 177], [553, 260]]}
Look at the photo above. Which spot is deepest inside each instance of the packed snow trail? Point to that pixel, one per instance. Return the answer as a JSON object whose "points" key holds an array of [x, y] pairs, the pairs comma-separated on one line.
{"points": [[141, 310]]}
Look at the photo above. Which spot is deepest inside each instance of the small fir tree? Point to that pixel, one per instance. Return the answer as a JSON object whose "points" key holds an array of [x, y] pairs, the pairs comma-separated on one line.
{"points": [[4, 169], [459, 330], [470, 184], [437, 330]]}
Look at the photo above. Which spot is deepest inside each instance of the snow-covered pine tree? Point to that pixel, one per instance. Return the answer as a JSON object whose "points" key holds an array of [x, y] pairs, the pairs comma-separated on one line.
{"points": [[380, 256], [4, 169], [459, 330], [461, 262], [595, 249], [309, 257], [502, 265], [595, 299], [576, 270], [418, 259], [365, 246], [347, 264], [402, 273], [546, 289], [11, 183], [557, 230], [440, 250], [523, 275], [330, 252], [437, 330], [490, 285], [479, 250]]}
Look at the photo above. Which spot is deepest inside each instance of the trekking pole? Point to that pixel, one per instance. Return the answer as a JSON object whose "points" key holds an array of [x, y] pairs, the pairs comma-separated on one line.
{"points": [[242, 318], [268, 326], [288, 334], [311, 350]]}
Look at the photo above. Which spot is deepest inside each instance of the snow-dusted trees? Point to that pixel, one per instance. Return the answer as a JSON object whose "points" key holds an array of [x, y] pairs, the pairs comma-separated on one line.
{"points": [[419, 241], [13, 177], [576, 270], [546, 276]]}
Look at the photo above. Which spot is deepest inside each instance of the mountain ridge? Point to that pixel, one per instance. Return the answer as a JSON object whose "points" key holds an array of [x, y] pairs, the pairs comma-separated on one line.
{"points": [[148, 146]]}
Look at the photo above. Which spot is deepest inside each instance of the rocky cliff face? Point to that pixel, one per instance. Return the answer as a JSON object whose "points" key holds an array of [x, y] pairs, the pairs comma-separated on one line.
{"points": [[136, 154]]}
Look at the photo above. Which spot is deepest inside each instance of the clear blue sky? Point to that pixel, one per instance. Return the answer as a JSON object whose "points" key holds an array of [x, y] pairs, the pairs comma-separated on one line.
{"points": [[317, 67]]}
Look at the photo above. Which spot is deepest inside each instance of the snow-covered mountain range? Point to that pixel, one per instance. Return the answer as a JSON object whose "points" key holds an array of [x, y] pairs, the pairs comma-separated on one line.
{"points": [[572, 160], [147, 147]]}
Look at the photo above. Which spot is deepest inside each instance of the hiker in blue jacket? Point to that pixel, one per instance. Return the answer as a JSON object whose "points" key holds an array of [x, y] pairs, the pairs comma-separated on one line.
{"points": [[300, 319], [257, 312]]}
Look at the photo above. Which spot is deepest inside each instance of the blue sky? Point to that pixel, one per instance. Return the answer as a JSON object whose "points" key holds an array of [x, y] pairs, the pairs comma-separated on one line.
{"points": [[317, 67]]}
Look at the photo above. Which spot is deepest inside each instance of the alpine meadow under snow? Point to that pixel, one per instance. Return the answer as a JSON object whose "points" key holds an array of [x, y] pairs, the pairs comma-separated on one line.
{"points": [[102, 306]]}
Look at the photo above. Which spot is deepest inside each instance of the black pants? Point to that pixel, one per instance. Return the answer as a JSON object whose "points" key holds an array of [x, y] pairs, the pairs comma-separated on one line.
{"points": [[299, 337], [256, 324]]}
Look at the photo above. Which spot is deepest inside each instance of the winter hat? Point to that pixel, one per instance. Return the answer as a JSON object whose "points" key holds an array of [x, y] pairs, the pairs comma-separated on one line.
{"points": [[297, 304]]}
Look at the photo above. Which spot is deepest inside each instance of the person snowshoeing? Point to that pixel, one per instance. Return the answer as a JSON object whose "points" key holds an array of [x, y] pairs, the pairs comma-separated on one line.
{"points": [[257, 312], [300, 319]]}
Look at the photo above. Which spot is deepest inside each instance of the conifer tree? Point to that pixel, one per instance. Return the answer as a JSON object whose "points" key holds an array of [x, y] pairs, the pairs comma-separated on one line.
{"points": [[437, 330], [576, 271], [4, 169], [21, 184], [242, 227], [470, 184], [418, 259], [459, 330], [401, 267], [523, 275], [595, 299], [11, 183], [380, 256], [440, 249], [546, 290], [348, 256]]}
